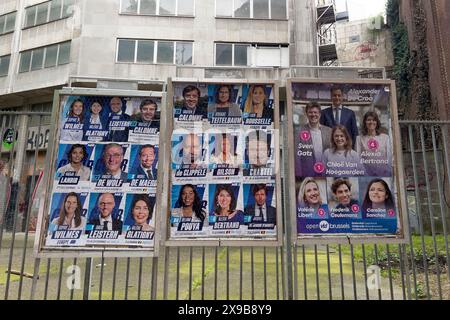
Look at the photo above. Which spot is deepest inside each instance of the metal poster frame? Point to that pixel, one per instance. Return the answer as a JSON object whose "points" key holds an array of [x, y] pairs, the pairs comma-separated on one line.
{"points": [[122, 250], [212, 241], [402, 219]]}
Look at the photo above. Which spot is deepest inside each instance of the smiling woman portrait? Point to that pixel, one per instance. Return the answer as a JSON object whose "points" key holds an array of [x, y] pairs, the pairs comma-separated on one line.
{"points": [[142, 212], [225, 204], [190, 205], [76, 155], [341, 155], [70, 213], [375, 146]]}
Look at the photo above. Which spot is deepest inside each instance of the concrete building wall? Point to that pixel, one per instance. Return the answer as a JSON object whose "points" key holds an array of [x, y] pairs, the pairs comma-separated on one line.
{"points": [[363, 43], [100, 33], [96, 26], [7, 6], [303, 34]]}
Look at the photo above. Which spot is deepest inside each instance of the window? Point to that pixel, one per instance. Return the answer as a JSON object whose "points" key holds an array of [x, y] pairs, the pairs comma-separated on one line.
{"points": [[41, 13], [158, 7], [126, 50], [4, 65], [51, 56], [55, 9], [278, 9], [230, 54], [154, 51], [25, 61], [7, 22], [261, 9], [165, 52], [145, 51], [47, 12], [64, 53], [242, 8], [224, 54], [45, 57], [183, 53], [252, 9], [148, 7], [255, 55], [37, 59]]}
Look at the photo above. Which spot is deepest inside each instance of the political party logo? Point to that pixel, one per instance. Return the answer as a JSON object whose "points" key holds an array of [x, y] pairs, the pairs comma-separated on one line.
{"points": [[391, 212], [324, 226], [319, 167], [321, 212], [305, 135], [373, 144], [355, 208]]}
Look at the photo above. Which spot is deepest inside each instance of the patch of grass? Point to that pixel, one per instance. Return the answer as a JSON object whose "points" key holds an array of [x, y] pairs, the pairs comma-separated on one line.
{"points": [[3, 278]]}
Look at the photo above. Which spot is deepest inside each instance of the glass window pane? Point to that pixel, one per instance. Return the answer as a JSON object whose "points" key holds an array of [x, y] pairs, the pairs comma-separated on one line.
{"points": [[240, 55], [184, 53], [148, 7], [64, 53], [37, 60], [25, 59], [242, 8], [165, 52], [129, 6], [31, 13], [126, 50], [10, 22], [145, 51], [186, 7], [4, 65], [41, 16], [278, 9], [55, 10], [224, 8], [2, 23], [224, 54], [167, 7], [68, 8], [50, 56], [261, 9]]}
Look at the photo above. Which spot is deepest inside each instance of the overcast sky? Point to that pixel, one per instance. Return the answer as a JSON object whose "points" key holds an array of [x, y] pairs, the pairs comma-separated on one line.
{"points": [[361, 9]]}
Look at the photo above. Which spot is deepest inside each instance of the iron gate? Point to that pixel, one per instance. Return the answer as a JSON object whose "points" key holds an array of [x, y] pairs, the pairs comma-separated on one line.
{"points": [[417, 270]]}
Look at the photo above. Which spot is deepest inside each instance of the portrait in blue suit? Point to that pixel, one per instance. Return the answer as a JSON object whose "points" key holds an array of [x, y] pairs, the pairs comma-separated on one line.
{"points": [[346, 116]]}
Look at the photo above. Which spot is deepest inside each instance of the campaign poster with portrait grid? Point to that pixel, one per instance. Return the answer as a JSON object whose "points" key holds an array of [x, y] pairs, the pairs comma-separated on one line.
{"points": [[223, 163], [345, 168], [104, 181]]}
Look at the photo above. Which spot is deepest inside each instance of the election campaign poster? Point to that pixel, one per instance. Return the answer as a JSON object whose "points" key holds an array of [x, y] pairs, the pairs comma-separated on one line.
{"points": [[104, 185], [345, 175], [224, 182]]}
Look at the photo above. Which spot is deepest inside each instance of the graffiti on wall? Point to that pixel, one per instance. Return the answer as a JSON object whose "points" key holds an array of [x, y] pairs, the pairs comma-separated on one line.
{"points": [[366, 50]]}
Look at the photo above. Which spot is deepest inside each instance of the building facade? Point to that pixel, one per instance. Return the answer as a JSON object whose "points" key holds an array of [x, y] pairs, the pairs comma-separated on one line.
{"points": [[365, 43], [45, 45], [137, 45]]}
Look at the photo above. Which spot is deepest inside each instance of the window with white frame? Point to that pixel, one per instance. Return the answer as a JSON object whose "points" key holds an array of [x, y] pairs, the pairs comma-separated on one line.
{"points": [[158, 7], [254, 54], [45, 57], [232, 54], [154, 51], [252, 9], [47, 12], [7, 22], [4, 65]]}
